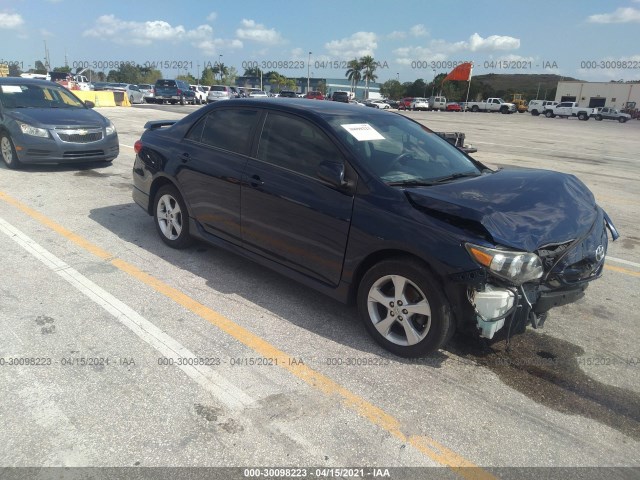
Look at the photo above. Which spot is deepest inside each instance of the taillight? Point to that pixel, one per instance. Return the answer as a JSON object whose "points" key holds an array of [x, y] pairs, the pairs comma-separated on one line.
{"points": [[137, 146], [179, 92]]}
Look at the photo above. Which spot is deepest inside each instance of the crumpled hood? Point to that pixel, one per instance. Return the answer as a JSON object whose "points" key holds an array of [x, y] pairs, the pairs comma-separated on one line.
{"points": [[59, 117], [523, 209]]}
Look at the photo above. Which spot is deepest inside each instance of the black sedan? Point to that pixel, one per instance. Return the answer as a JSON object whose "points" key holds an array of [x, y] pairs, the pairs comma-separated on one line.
{"points": [[43, 122], [370, 206]]}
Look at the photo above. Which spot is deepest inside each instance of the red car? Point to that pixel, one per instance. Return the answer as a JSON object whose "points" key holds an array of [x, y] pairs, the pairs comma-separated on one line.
{"points": [[314, 95], [453, 107], [405, 103]]}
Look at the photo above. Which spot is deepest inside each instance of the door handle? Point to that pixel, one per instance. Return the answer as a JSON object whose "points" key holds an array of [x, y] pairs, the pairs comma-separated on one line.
{"points": [[256, 181]]}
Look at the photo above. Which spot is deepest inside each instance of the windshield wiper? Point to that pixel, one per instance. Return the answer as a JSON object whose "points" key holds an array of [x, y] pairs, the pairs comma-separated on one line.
{"points": [[411, 183], [422, 182], [454, 176]]}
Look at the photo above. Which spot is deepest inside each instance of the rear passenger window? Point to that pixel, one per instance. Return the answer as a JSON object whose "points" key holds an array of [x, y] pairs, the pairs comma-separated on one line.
{"points": [[228, 129], [295, 144]]}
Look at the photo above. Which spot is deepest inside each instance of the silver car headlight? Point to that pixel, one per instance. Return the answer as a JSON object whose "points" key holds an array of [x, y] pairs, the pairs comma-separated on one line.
{"points": [[515, 267], [33, 131], [111, 128]]}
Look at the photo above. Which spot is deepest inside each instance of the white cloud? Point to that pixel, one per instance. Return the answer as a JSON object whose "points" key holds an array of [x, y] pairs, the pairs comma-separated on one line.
{"points": [[357, 45], [212, 16], [397, 35], [256, 32], [494, 42], [120, 31], [123, 32], [10, 20], [418, 30], [621, 15]]}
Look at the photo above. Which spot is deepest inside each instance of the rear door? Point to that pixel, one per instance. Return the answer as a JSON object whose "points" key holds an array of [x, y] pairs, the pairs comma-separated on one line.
{"points": [[214, 154], [289, 215]]}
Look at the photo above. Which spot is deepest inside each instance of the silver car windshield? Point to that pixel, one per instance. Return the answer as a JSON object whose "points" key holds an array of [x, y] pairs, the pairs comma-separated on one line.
{"points": [[37, 96], [400, 151]]}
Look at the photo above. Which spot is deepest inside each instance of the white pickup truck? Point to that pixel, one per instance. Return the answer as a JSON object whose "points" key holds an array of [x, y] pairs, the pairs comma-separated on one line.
{"points": [[491, 105], [569, 109]]}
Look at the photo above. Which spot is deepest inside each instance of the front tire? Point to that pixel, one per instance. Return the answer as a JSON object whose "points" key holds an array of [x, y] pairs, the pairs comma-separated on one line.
{"points": [[9, 155], [535, 113], [404, 308], [599, 118], [171, 217], [622, 119], [549, 114]]}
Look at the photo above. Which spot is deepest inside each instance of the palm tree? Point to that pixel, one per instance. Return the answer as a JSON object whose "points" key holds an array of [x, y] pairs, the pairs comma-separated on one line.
{"points": [[354, 74], [369, 67]]}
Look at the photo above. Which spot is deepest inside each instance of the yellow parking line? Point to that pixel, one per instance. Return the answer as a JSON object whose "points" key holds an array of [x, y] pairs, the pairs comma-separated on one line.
{"points": [[427, 446]]}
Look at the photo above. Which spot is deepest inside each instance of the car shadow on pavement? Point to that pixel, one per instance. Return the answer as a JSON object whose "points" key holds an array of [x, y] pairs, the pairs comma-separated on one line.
{"points": [[232, 274], [545, 369], [59, 167]]}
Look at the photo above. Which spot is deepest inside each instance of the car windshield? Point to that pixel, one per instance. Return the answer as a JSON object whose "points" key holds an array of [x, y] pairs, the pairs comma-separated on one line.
{"points": [[38, 96], [402, 152]]}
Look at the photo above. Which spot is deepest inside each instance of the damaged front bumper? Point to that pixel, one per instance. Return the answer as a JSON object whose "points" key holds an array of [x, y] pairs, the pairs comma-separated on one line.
{"points": [[568, 269]]}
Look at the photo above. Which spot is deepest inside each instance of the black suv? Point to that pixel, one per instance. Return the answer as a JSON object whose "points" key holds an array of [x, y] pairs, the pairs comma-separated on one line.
{"points": [[288, 94], [340, 97], [173, 91]]}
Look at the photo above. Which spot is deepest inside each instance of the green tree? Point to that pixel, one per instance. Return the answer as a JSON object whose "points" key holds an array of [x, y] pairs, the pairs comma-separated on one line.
{"points": [[416, 89], [39, 67], [208, 76], [392, 89], [65, 69], [354, 74], [368, 71], [190, 79], [252, 72]]}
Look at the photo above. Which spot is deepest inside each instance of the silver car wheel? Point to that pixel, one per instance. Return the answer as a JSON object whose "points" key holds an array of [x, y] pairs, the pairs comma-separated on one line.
{"points": [[9, 155], [169, 217], [399, 310], [7, 151]]}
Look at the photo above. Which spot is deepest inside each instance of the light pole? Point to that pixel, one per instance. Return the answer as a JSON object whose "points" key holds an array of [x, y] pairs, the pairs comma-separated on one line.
{"points": [[398, 77], [308, 67], [220, 66], [433, 86], [198, 72]]}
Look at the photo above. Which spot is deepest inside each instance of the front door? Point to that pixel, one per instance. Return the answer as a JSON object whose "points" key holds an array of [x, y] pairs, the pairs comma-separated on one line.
{"points": [[289, 215]]}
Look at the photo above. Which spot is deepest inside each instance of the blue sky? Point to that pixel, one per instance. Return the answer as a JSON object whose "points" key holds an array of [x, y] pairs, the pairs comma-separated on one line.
{"points": [[586, 39]]}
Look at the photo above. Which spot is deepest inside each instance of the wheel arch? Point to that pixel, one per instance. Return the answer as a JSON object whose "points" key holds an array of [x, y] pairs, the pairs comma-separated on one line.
{"points": [[157, 184], [379, 256]]}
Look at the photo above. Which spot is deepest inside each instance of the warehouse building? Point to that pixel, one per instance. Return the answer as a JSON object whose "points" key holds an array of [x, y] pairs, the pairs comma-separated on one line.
{"points": [[600, 94]]}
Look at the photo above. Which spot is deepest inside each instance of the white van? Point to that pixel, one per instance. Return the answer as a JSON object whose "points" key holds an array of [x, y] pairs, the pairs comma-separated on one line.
{"points": [[437, 103]]}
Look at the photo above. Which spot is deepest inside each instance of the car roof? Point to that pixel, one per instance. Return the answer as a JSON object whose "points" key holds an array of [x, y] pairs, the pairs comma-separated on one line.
{"points": [[303, 107]]}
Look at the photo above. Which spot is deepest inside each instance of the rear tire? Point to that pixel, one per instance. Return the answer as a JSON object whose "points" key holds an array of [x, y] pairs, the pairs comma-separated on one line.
{"points": [[9, 155], [475, 108], [535, 113], [583, 116], [171, 217], [599, 118], [549, 114], [403, 307], [622, 119]]}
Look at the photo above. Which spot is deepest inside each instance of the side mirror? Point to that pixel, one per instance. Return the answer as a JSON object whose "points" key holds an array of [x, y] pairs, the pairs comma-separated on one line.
{"points": [[89, 104], [333, 173]]}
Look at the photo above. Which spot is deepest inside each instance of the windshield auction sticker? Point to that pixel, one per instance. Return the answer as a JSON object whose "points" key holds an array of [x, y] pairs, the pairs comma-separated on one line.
{"points": [[362, 131], [11, 89]]}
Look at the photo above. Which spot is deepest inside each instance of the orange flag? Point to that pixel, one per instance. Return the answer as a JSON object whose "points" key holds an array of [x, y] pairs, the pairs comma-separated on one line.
{"points": [[461, 72]]}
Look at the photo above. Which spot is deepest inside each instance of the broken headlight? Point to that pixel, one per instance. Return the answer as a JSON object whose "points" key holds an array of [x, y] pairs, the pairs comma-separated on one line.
{"points": [[515, 267]]}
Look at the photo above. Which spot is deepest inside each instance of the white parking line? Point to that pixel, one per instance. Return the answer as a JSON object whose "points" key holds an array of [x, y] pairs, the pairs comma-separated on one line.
{"points": [[227, 393], [625, 262]]}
